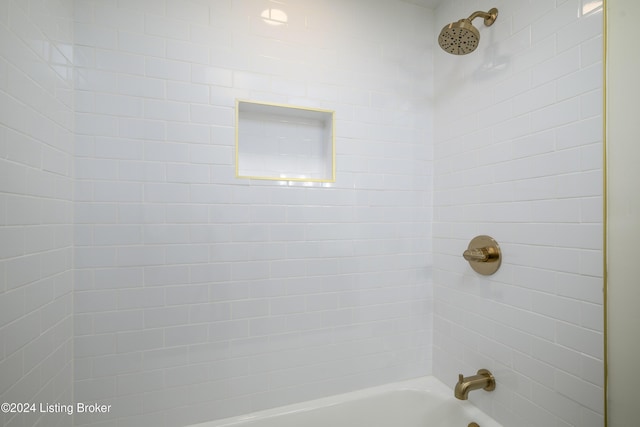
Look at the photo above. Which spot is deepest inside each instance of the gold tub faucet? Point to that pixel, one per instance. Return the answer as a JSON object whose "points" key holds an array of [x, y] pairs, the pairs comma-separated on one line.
{"points": [[484, 379]]}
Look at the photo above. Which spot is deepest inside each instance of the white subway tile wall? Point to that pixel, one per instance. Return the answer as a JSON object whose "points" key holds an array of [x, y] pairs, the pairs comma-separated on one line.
{"points": [[36, 208], [518, 156], [199, 295]]}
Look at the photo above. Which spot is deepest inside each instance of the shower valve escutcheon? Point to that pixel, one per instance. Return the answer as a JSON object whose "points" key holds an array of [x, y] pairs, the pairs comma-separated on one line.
{"points": [[483, 254], [484, 379]]}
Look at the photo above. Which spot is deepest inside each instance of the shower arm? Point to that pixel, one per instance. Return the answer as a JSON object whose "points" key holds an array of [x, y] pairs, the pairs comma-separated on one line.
{"points": [[489, 17]]}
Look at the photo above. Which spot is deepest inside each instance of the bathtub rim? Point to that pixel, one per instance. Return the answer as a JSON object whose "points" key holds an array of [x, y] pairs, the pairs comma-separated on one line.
{"points": [[425, 384]]}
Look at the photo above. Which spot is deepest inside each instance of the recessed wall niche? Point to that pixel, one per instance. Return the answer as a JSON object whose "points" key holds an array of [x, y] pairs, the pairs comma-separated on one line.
{"points": [[284, 142]]}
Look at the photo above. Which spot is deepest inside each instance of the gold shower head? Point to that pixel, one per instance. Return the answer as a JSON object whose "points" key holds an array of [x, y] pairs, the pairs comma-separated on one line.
{"points": [[460, 38]]}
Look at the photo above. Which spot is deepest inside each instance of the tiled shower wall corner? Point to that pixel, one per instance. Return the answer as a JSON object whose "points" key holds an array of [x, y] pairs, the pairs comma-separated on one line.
{"points": [[518, 156], [36, 207], [199, 295]]}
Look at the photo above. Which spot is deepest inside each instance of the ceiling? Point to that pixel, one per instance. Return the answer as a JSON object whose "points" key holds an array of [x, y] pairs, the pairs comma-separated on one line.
{"points": [[427, 3]]}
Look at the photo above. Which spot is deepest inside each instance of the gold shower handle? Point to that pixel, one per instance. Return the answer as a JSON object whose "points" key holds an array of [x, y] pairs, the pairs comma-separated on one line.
{"points": [[483, 255], [477, 255]]}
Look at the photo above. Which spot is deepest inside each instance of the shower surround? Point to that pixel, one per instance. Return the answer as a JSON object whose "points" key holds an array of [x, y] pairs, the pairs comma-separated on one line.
{"points": [[518, 156], [36, 208], [198, 295]]}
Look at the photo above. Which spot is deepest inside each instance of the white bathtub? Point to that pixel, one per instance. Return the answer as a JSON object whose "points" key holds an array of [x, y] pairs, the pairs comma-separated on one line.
{"points": [[422, 402]]}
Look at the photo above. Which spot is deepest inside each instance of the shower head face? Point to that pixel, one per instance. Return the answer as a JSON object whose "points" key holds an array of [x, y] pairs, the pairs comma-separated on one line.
{"points": [[459, 38]]}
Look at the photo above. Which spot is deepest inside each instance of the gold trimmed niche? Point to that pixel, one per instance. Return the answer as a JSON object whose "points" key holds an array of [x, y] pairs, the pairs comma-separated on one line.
{"points": [[284, 142]]}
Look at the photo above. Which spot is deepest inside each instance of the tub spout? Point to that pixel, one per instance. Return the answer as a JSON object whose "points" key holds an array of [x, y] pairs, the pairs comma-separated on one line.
{"points": [[484, 379]]}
